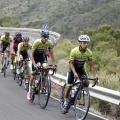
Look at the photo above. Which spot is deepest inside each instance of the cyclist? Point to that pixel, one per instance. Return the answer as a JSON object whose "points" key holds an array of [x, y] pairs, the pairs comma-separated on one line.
{"points": [[78, 56], [38, 55], [22, 53], [14, 46], [5, 45]]}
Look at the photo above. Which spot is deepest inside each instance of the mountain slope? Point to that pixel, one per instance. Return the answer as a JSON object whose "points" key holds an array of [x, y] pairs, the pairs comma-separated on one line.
{"points": [[67, 17]]}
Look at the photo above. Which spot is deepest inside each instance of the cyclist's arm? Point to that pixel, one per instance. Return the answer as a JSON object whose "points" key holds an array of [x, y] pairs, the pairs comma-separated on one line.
{"points": [[19, 49], [52, 56], [32, 57], [1, 40], [12, 47], [71, 64], [92, 68], [0, 43]]}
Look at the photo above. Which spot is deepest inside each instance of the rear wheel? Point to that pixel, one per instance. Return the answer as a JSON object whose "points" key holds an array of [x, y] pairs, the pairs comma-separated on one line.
{"points": [[82, 104], [43, 93], [62, 98], [33, 97]]}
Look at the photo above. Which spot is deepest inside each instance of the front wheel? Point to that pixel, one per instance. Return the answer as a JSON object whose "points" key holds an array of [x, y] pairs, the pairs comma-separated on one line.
{"points": [[5, 67], [19, 81], [43, 93], [26, 84], [14, 71], [49, 80], [4, 70], [82, 104]]}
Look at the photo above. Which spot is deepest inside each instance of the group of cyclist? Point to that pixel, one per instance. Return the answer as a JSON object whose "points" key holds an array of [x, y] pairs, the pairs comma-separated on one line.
{"points": [[78, 56]]}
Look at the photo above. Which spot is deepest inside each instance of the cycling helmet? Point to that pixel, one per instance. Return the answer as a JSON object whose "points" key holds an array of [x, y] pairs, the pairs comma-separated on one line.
{"points": [[18, 34], [25, 38], [84, 38], [45, 34], [7, 33]]}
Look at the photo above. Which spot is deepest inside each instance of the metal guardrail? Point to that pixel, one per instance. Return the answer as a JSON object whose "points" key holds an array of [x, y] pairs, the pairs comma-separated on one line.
{"points": [[101, 93], [55, 34], [98, 92]]}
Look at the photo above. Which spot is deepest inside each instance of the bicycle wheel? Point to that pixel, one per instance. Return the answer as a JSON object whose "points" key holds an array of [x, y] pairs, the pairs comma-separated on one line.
{"points": [[62, 98], [14, 70], [82, 104], [26, 83], [49, 80], [43, 93], [5, 67], [19, 81]]}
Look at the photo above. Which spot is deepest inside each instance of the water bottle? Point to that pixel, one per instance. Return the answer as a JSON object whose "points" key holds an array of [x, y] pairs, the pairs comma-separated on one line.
{"points": [[36, 83], [37, 78], [22, 69], [74, 90], [73, 93]]}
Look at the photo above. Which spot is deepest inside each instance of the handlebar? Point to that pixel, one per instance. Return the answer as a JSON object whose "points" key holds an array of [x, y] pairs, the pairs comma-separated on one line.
{"points": [[5, 51], [51, 67], [14, 54], [93, 79]]}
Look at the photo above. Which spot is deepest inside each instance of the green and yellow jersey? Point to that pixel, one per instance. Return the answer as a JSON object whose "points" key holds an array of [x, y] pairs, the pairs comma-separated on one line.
{"points": [[22, 48], [80, 58], [40, 47], [4, 39]]}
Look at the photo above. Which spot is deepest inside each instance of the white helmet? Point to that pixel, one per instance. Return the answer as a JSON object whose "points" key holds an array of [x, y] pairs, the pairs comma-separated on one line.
{"points": [[84, 38]]}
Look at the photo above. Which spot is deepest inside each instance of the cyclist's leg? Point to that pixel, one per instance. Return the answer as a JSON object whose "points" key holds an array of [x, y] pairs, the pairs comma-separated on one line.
{"points": [[8, 49], [45, 65], [32, 76], [2, 55], [13, 58], [84, 74], [25, 56], [69, 84]]}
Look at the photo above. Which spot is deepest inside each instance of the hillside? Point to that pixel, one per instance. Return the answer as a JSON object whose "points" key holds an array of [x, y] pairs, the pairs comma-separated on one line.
{"points": [[67, 17]]}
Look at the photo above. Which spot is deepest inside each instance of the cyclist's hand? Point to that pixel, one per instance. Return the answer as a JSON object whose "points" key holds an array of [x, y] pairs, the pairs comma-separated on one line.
{"points": [[55, 68], [35, 66], [96, 78], [12, 53], [75, 75]]}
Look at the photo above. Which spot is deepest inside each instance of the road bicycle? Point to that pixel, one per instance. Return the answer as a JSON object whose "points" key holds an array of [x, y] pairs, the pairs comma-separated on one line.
{"points": [[42, 87], [5, 63], [79, 98], [20, 74]]}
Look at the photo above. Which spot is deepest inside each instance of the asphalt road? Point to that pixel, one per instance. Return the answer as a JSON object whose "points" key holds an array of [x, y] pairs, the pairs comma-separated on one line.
{"points": [[15, 106]]}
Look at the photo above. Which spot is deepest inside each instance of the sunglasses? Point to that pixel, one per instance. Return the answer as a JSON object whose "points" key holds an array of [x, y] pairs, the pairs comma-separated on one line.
{"points": [[85, 42], [45, 36]]}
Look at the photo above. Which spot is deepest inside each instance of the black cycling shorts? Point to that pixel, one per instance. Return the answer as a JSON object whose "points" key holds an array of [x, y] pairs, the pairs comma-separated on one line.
{"points": [[70, 78], [40, 58], [4, 46], [24, 54]]}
